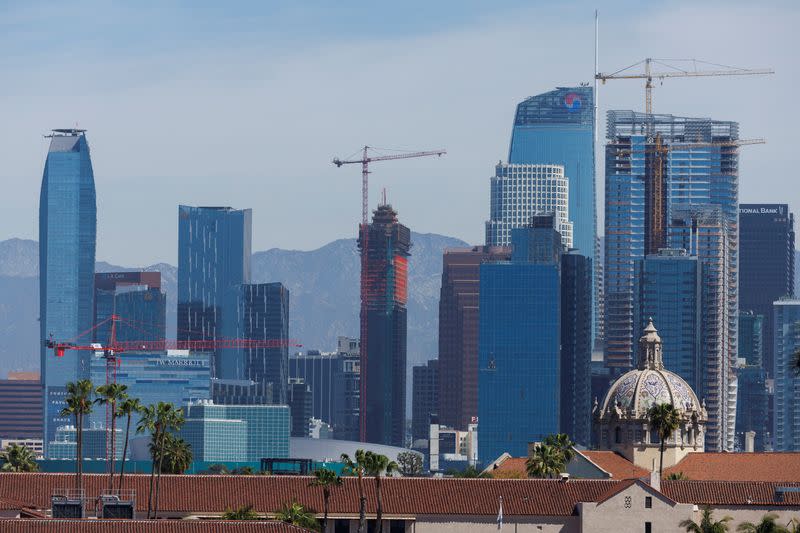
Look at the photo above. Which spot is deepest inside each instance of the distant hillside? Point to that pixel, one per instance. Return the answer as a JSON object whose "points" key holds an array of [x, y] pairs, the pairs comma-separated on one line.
{"points": [[323, 285]]}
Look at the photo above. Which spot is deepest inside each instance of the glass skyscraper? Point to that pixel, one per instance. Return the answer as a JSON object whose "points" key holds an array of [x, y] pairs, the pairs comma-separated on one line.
{"points": [[786, 340], [67, 235], [519, 380], [425, 399], [137, 299], [214, 247]]}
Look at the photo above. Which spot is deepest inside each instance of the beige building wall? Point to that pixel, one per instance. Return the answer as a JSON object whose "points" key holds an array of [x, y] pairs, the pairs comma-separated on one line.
{"points": [[488, 524], [627, 511]]}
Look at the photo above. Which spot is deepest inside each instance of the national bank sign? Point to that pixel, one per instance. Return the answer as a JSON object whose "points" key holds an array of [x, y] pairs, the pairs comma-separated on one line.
{"points": [[765, 209]]}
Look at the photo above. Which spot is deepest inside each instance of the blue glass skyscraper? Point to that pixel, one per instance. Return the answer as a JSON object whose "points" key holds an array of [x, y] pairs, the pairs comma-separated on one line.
{"points": [[786, 341], [67, 235], [214, 246]]}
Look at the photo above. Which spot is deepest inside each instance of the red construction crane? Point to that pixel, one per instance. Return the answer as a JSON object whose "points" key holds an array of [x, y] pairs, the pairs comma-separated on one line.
{"points": [[365, 160], [111, 351]]}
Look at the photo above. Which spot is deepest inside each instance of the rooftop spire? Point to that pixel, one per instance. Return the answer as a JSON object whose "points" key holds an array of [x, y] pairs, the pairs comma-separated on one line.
{"points": [[650, 349]]}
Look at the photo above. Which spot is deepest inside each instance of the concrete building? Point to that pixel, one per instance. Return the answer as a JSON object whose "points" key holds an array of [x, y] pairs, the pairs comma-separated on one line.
{"points": [[21, 406]]}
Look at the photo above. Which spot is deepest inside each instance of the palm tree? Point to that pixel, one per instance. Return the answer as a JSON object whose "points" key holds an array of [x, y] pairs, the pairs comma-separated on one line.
{"points": [[563, 444], [172, 419], [664, 419], [177, 455], [127, 408], [246, 470], [767, 525], [707, 524], [377, 465], [326, 478], [796, 362], [111, 394], [545, 462], [149, 422], [245, 512], [677, 476], [79, 404], [16, 458], [297, 515], [357, 468]]}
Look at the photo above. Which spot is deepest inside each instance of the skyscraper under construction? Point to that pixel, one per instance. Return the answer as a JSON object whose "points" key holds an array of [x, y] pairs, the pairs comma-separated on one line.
{"points": [[384, 245]]}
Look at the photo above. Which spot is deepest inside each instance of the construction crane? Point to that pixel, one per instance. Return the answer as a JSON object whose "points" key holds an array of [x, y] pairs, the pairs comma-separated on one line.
{"points": [[654, 187], [365, 160], [111, 351], [674, 72]]}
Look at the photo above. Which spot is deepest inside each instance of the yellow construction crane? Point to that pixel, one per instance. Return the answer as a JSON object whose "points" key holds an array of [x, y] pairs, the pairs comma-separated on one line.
{"points": [[674, 70]]}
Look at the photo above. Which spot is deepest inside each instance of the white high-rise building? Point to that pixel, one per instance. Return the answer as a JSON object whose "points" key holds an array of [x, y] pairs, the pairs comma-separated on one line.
{"points": [[521, 191]]}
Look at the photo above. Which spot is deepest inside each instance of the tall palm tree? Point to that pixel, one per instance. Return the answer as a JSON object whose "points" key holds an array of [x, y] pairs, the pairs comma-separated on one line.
{"points": [[563, 444], [767, 525], [664, 419], [357, 468], [111, 394], [16, 458], [177, 455], [245, 512], [127, 408], [297, 515], [707, 523], [79, 404], [150, 423], [172, 419], [326, 478], [545, 462], [377, 465]]}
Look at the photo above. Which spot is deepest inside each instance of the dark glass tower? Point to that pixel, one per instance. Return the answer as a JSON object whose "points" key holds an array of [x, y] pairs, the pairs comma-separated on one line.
{"points": [[67, 235], [766, 263], [458, 332], [425, 399], [383, 366], [137, 299], [213, 261]]}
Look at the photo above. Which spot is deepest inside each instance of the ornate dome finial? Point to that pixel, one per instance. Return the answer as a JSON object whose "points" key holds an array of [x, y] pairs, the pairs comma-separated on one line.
{"points": [[650, 349]]}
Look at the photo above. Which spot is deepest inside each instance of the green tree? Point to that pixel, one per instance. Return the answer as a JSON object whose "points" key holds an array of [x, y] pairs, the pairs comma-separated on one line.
{"points": [[243, 471], [664, 420], [177, 455], [767, 525], [410, 463], [245, 512], [16, 458], [357, 468], [707, 523], [111, 394], [217, 469], [297, 515], [172, 419], [326, 478], [677, 476], [545, 462], [158, 419], [469, 472], [562, 443], [796, 362], [79, 404], [127, 408], [378, 465]]}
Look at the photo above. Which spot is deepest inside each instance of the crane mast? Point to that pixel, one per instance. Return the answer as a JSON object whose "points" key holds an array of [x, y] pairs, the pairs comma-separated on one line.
{"points": [[366, 294]]}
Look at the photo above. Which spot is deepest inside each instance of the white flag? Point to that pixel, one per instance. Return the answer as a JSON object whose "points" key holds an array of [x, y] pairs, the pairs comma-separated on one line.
{"points": [[500, 515]]}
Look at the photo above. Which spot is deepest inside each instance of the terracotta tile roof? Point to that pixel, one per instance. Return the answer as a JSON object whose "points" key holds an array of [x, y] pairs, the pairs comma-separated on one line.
{"points": [[615, 464], [729, 492], [144, 526], [401, 496], [513, 467], [622, 485], [776, 466]]}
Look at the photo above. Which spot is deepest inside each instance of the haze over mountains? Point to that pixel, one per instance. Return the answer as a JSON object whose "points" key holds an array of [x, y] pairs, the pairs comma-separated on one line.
{"points": [[323, 285]]}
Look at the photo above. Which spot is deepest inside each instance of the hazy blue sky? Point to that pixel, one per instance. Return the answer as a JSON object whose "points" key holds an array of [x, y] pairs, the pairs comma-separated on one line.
{"points": [[245, 103]]}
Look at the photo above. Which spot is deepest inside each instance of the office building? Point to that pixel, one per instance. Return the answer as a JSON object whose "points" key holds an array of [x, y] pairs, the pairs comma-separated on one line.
{"points": [[519, 380], [520, 191], [64, 446], [751, 338], [219, 431], [386, 244], [424, 399], [137, 299], [752, 406], [214, 247], [300, 399], [458, 332], [576, 347], [334, 381], [639, 206], [766, 262], [704, 231], [174, 376], [451, 448], [21, 406], [67, 236], [240, 392], [261, 313], [786, 341], [669, 291]]}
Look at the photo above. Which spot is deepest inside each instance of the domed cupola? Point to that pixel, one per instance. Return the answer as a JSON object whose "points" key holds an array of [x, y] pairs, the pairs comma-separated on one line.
{"points": [[622, 422]]}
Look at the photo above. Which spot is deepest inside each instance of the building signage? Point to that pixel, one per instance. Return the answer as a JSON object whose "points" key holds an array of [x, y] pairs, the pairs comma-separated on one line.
{"points": [[180, 362], [762, 210]]}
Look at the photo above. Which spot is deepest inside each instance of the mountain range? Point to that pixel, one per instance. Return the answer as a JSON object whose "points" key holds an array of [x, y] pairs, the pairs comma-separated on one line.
{"points": [[323, 286]]}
